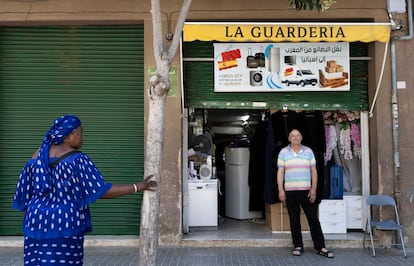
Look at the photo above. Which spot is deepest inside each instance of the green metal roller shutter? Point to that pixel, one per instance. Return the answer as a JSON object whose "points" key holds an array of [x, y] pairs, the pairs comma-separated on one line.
{"points": [[95, 72], [199, 86]]}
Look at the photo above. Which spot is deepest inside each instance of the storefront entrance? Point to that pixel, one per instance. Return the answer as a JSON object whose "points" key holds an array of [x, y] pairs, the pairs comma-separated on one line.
{"points": [[237, 141], [226, 129]]}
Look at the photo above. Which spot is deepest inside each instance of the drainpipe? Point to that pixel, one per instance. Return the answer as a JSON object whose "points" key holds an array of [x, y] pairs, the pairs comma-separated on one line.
{"points": [[394, 109]]}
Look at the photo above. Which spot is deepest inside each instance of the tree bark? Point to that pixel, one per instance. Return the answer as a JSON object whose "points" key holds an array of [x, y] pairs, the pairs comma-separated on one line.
{"points": [[159, 86]]}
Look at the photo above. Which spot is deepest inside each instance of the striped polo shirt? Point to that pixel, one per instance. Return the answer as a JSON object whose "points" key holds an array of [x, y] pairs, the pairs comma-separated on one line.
{"points": [[297, 167]]}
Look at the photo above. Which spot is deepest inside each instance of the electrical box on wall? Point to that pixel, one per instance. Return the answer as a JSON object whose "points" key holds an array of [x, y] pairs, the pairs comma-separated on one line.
{"points": [[396, 6], [401, 85]]}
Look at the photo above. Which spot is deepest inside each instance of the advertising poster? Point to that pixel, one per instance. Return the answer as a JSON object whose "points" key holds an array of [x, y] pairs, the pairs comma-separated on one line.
{"points": [[281, 67]]}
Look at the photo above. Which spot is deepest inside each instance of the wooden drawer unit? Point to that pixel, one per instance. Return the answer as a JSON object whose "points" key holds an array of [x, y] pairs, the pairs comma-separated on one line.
{"points": [[354, 212], [332, 216]]}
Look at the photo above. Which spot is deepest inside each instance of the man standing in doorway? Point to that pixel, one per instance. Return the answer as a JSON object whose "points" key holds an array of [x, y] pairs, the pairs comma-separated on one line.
{"points": [[297, 180]]}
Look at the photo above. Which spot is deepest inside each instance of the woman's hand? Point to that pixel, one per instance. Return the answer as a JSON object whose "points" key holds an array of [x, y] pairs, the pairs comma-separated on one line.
{"points": [[147, 184]]}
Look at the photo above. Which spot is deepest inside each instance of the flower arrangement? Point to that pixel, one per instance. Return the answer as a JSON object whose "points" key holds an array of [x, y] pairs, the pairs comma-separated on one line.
{"points": [[349, 143], [331, 141]]}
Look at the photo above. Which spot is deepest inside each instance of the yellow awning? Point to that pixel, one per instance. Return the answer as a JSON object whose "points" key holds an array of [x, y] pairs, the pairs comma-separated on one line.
{"points": [[287, 32]]}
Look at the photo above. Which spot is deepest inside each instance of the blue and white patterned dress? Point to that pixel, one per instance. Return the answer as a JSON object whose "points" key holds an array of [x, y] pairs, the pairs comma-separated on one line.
{"points": [[56, 220]]}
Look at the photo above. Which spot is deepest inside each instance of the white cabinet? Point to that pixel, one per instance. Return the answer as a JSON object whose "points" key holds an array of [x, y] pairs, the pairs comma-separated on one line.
{"points": [[354, 212], [332, 216], [203, 203]]}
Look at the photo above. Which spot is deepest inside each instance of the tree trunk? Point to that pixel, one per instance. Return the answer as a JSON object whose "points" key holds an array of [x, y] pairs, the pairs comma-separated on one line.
{"points": [[158, 89], [151, 201]]}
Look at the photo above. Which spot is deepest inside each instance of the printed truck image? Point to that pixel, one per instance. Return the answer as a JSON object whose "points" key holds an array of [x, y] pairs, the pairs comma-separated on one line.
{"points": [[297, 76]]}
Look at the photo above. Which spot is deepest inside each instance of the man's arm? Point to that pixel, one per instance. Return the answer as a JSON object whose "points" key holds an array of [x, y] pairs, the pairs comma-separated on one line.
{"points": [[279, 179], [312, 192]]}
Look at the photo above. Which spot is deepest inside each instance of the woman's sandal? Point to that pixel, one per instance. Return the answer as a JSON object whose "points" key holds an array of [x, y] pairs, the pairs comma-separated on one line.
{"points": [[327, 253], [298, 251]]}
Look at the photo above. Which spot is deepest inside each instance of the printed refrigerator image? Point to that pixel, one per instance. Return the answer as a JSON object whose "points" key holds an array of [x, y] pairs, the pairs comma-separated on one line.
{"points": [[237, 190]]}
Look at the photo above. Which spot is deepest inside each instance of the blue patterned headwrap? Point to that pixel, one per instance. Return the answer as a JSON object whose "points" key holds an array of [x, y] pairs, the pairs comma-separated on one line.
{"points": [[61, 127]]}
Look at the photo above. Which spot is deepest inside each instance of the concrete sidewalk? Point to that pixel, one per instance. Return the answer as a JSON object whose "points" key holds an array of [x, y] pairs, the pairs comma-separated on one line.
{"points": [[228, 256]]}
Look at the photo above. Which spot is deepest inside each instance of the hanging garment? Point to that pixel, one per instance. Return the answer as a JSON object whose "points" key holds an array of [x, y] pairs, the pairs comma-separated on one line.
{"points": [[271, 194], [257, 164], [278, 127], [311, 125]]}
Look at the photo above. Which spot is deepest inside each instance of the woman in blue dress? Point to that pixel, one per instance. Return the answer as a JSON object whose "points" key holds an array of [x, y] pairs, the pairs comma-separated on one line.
{"points": [[54, 191]]}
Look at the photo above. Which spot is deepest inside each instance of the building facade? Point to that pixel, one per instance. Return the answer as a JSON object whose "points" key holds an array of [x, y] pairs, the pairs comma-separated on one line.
{"points": [[93, 58]]}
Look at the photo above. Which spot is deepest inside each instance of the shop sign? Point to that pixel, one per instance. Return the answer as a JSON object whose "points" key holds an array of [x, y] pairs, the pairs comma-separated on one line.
{"points": [[281, 67], [287, 32]]}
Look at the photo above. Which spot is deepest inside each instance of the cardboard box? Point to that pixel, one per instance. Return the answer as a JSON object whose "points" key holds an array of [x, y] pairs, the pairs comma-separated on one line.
{"points": [[277, 218], [331, 63], [331, 69]]}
